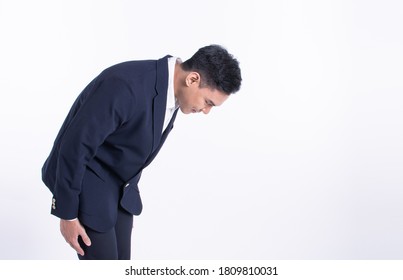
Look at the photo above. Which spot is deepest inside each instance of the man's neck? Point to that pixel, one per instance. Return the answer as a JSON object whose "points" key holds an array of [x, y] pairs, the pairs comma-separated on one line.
{"points": [[178, 76]]}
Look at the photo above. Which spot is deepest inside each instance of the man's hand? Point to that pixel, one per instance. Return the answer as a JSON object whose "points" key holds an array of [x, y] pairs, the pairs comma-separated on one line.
{"points": [[71, 230]]}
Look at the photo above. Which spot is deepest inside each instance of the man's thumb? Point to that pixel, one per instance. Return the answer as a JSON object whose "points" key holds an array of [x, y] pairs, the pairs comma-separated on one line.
{"points": [[86, 239]]}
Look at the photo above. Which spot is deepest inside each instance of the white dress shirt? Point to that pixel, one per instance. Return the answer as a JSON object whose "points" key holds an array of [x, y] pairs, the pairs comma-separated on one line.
{"points": [[172, 105]]}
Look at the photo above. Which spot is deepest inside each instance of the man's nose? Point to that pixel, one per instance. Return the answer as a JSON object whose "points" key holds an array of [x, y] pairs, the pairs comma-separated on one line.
{"points": [[206, 110]]}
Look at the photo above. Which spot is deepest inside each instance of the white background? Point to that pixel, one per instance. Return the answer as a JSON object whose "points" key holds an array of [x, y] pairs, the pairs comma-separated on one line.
{"points": [[305, 162]]}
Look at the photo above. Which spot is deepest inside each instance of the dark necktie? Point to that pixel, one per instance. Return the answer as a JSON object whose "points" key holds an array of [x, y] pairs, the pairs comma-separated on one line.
{"points": [[163, 138], [131, 200]]}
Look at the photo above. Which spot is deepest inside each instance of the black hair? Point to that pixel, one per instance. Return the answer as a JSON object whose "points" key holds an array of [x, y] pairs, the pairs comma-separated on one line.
{"points": [[218, 69]]}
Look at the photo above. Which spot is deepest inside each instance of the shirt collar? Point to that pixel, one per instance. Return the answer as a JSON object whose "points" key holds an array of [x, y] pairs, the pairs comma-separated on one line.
{"points": [[171, 100]]}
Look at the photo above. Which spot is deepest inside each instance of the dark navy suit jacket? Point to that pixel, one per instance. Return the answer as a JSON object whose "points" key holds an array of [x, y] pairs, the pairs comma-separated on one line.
{"points": [[111, 133]]}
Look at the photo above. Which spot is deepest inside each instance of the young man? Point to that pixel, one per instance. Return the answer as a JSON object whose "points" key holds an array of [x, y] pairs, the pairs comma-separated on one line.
{"points": [[114, 129]]}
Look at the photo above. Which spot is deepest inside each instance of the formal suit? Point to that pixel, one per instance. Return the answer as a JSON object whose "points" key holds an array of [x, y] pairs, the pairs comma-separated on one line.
{"points": [[112, 132]]}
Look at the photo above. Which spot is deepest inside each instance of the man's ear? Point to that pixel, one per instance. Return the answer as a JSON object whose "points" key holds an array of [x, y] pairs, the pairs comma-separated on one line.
{"points": [[193, 78]]}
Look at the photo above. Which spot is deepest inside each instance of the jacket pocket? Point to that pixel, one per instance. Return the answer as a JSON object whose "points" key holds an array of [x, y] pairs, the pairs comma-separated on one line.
{"points": [[97, 170], [98, 196]]}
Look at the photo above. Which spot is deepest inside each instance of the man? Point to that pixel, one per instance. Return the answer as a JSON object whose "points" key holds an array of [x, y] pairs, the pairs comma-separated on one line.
{"points": [[114, 129]]}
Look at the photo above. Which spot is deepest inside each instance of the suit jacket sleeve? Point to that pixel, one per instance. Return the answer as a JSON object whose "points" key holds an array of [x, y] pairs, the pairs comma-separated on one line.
{"points": [[106, 107]]}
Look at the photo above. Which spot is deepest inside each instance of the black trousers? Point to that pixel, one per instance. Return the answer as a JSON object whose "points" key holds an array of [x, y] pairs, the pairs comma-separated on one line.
{"points": [[114, 244]]}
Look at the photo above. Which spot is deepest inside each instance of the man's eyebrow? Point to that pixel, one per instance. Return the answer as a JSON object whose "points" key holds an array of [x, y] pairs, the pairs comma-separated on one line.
{"points": [[211, 102]]}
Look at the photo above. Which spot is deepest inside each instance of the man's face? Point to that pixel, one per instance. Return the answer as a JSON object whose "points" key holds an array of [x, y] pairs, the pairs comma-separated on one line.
{"points": [[195, 99]]}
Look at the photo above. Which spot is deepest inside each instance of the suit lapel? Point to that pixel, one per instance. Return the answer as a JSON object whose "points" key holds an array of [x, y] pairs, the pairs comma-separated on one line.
{"points": [[160, 100]]}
